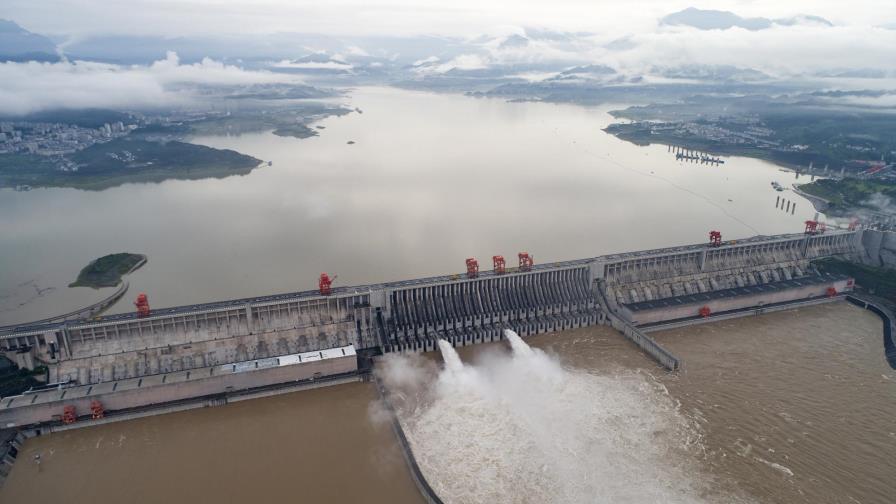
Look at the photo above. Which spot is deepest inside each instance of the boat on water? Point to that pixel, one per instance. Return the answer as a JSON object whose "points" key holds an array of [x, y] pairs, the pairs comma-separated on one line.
{"points": [[777, 186]]}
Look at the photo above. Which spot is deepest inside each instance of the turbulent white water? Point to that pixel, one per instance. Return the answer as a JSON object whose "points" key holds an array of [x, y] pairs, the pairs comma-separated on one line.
{"points": [[521, 428], [452, 360]]}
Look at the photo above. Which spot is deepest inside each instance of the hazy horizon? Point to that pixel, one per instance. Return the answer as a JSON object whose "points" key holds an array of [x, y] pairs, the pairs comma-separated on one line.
{"points": [[463, 18]]}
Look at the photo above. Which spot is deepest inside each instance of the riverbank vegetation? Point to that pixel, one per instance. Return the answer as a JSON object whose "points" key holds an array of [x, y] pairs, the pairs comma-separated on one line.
{"points": [[108, 270], [14, 381], [875, 280], [850, 192]]}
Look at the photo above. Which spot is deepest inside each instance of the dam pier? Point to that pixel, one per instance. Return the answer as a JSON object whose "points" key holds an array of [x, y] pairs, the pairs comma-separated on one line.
{"points": [[215, 352]]}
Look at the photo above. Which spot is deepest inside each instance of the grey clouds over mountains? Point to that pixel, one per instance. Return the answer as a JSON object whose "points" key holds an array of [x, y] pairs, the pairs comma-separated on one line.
{"points": [[722, 20], [18, 44], [690, 45]]}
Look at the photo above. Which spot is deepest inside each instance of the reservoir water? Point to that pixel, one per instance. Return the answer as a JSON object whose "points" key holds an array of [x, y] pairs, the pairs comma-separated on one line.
{"points": [[431, 180]]}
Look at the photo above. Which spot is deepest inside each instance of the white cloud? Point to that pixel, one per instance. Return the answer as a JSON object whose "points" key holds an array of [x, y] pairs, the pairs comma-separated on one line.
{"points": [[463, 62], [779, 51], [426, 61], [313, 65], [882, 101], [356, 51], [31, 87]]}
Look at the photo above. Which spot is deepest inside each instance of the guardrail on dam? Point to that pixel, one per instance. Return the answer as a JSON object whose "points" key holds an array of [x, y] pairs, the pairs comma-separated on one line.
{"points": [[632, 288]]}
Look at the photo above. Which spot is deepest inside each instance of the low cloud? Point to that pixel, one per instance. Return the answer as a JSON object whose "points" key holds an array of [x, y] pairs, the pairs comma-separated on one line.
{"points": [[313, 65], [781, 51], [33, 87], [803, 51]]}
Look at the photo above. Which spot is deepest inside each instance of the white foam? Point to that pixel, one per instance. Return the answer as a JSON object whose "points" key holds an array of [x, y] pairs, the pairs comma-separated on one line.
{"points": [[522, 428], [520, 348], [449, 354]]}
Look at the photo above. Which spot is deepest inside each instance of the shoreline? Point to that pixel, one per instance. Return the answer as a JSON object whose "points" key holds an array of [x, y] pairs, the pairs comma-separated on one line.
{"points": [[820, 204]]}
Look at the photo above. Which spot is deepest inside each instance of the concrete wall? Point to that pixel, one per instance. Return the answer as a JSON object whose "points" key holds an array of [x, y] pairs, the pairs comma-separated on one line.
{"points": [[166, 388], [666, 313], [880, 248], [94, 366]]}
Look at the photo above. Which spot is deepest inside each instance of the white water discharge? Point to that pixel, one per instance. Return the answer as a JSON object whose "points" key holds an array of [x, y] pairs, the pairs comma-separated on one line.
{"points": [[452, 360], [522, 428]]}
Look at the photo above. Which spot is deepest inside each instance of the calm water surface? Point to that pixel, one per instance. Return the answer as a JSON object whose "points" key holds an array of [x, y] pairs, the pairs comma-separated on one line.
{"points": [[431, 180]]}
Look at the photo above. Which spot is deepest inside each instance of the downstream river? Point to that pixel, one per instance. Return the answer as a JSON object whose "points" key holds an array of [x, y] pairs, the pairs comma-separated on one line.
{"points": [[313, 446], [794, 407], [431, 180]]}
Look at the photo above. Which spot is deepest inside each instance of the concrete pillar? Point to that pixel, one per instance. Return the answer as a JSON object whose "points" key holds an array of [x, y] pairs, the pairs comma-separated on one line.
{"points": [[872, 241], [66, 342], [25, 360]]}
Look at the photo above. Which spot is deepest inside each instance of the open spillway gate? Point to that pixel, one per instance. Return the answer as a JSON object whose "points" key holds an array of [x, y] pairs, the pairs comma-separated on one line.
{"points": [[477, 310]]}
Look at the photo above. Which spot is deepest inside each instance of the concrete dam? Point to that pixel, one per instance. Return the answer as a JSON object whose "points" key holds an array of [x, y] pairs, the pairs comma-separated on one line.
{"points": [[220, 350]]}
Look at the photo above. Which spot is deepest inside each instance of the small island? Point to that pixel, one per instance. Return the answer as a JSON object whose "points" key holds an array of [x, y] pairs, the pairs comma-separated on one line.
{"points": [[108, 270], [297, 130]]}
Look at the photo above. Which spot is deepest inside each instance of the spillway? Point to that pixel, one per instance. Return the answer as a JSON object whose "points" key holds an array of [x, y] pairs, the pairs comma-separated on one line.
{"points": [[520, 427]]}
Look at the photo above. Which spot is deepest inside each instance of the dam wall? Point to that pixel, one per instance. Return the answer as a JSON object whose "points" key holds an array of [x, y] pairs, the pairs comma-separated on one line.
{"points": [[880, 248], [126, 394], [80, 313], [477, 310], [175, 339], [653, 275], [637, 288], [651, 287], [729, 300]]}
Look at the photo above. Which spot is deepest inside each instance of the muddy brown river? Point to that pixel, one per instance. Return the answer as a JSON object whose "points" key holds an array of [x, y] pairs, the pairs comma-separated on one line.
{"points": [[309, 446], [791, 407]]}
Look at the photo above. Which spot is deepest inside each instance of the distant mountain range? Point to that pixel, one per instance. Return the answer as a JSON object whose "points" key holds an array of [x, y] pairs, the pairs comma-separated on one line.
{"points": [[532, 61], [723, 20], [19, 44]]}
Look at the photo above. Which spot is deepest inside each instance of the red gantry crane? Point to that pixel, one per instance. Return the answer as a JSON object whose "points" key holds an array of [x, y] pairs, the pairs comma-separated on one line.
{"points": [[96, 409], [142, 304], [499, 264], [325, 283], [472, 268], [811, 227], [715, 238], [69, 416], [526, 261]]}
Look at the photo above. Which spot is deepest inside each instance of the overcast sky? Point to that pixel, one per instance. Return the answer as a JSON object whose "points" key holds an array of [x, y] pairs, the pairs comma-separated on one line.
{"points": [[400, 17], [856, 42]]}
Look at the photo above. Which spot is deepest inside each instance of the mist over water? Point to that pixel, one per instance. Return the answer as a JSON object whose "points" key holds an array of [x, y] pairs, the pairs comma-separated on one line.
{"points": [[521, 427]]}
